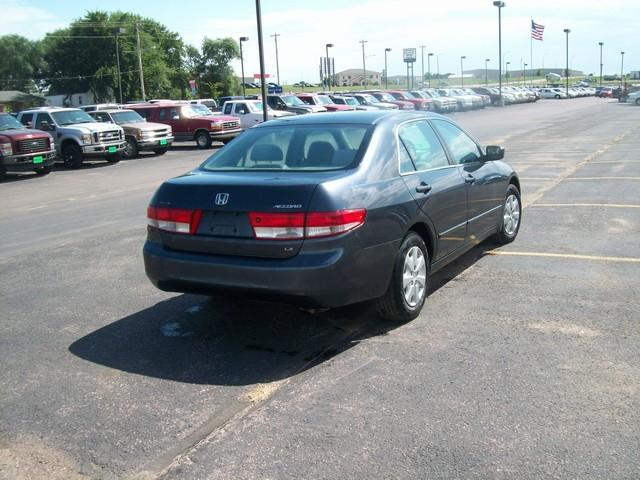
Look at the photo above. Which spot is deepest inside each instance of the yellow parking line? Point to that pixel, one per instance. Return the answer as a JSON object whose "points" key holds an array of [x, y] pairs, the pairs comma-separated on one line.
{"points": [[609, 205], [566, 255], [602, 178]]}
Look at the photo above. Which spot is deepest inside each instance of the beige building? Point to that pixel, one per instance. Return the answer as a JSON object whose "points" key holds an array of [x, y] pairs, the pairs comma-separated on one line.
{"points": [[353, 76]]}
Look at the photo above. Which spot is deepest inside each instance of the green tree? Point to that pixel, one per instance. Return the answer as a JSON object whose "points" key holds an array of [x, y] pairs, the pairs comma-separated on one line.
{"points": [[82, 57], [21, 61], [214, 69]]}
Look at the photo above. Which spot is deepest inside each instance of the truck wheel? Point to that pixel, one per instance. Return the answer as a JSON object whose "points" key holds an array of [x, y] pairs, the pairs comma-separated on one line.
{"points": [[409, 284], [46, 170], [130, 149], [557, 97], [203, 140], [113, 157], [3, 172], [72, 156], [160, 151], [637, 101]]}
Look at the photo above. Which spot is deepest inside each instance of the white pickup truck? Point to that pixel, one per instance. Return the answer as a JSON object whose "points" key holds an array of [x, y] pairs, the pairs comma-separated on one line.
{"points": [[250, 112]]}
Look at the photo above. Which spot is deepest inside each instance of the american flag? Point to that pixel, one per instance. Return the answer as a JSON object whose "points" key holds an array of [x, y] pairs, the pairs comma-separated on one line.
{"points": [[537, 30]]}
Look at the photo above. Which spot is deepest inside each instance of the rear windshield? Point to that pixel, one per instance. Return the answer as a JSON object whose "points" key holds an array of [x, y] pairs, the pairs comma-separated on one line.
{"points": [[293, 148]]}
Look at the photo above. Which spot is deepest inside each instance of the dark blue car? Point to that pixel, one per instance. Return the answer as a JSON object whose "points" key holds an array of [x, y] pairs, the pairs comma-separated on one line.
{"points": [[327, 210]]}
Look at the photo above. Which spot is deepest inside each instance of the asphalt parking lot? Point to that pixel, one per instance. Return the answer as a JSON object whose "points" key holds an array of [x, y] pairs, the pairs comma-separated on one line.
{"points": [[524, 364]]}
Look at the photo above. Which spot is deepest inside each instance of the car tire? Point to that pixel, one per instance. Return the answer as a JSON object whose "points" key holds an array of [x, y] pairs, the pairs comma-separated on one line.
{"points": [[637, 101], [511, 216], [203, 140], [46, 170], [113, 158], [72, 156], [160, 151], [409, 284], [557, 97], [3, 172], [130, 149]]}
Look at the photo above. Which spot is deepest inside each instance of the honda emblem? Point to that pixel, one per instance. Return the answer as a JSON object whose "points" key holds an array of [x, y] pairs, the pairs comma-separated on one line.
{"points": [[222, 199]]}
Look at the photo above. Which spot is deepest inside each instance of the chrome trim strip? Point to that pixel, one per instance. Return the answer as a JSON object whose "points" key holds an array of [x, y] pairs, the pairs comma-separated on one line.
{"points": [[485, 213]]}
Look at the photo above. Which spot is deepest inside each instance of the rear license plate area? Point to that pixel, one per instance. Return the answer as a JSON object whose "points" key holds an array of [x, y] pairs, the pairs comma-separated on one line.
{"points": [[225, 224]]}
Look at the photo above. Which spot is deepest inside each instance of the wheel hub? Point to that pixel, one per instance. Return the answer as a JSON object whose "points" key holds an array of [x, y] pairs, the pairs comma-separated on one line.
{"points": [[511, 215], [414, 277]]}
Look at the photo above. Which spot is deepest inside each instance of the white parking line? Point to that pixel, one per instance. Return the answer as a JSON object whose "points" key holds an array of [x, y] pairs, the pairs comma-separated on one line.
{"points": [[607, 205], [602, 178], [566, 255]]}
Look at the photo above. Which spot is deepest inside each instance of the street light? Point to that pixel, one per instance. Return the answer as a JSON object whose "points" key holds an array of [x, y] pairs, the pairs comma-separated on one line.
{"points": [[429, 55], [506, 71], [601, 44], [118, 32], [244, 93], [486, 72], [275, 37], [567, 32], [500, 6], [263, 86], [461, 72], [364, 65], [422, 47], [386, 72], [525, 73], [327, 67], [621, 71]]}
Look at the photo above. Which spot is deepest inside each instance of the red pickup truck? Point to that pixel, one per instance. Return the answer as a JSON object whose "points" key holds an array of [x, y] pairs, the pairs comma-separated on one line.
{"points": [[418, 103], [189, 124], [23, 149], [323, 101]]}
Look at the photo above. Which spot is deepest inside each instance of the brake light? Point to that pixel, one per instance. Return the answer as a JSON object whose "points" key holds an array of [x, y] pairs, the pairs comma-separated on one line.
{"points": [[277, 226], [176, 220], [291, 226]]}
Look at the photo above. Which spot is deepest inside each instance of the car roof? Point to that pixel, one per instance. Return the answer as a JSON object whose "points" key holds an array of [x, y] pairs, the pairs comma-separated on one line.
{"points": [[112, 110], [368, 117], [49, 109]]}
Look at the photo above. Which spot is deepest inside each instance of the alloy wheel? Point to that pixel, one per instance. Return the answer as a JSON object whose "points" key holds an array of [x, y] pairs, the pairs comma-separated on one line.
{"points": [[414, 277], [511, 215]]}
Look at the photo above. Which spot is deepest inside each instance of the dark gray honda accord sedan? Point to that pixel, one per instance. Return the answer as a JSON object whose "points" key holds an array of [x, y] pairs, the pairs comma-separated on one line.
{"points": [[327, 210]]}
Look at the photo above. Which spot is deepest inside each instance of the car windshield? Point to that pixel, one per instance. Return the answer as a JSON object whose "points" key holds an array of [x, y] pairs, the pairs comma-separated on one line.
{"points": [[201, 110], [387, 97], [126, 117], [7, 122], [408, 95], [292, 101], [255, 106], [351, 101], [70, 117], [370, 98], [434, 93], [323, 100], [293, 148]]}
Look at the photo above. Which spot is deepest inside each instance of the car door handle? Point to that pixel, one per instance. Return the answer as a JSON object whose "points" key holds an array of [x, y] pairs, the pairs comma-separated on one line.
{"points": [[469, 179], [423, 188]]}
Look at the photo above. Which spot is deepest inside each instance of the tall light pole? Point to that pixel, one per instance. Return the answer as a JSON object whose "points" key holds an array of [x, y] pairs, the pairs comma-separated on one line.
{"points": [[486, 72], [245, 39], [364, 65], [118, 32], [524, 72], [500, 6], [567, 32], [144, 96], [386, 72], [429, 55], [601, 44], [506, 71], [621, 71], [275, 38], [263, 84], [327, 65], [462, 71], [422, 47]]}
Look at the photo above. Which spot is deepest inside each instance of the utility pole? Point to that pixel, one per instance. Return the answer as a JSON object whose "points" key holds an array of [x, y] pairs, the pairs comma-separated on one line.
{"points": [[601, 44], [245, 39], [429, 55], [144, 96], [621, 72], [118, 32], [486, 72], [263, 85], [567, 32], [500, 6], [462, 72], [364, 65], [275, 37], [328, 66], [386, 71], [422, 47]]}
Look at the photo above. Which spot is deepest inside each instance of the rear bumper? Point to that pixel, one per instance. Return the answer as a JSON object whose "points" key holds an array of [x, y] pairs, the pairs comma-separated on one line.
{"points": [[25, 162], [314, 278]]}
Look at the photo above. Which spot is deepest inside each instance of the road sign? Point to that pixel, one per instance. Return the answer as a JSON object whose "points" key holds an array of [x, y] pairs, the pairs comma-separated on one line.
{"points": [[409, 55]]}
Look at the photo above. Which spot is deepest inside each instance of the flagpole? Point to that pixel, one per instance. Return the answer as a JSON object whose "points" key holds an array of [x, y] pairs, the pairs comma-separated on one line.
{"points": [[531, 50]]}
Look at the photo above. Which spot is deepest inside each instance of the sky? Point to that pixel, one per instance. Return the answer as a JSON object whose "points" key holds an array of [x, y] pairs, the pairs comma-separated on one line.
{"points": [[447, 29]]}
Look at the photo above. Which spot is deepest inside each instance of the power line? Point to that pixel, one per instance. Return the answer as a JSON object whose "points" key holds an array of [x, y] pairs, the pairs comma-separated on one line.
{"points": [[75, 77], [87, 36]]}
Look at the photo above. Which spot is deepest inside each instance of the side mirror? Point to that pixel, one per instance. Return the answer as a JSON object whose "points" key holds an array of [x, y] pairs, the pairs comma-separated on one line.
{"points": [[494, 152]]}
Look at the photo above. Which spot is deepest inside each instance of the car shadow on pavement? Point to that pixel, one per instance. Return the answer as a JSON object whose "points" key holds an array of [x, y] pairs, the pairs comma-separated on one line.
{"points": [[233, 341]]}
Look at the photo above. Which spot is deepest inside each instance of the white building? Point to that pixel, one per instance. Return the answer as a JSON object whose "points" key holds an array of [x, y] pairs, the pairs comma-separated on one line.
{"points": [[635, 75], [71, 100], [354, 76]]}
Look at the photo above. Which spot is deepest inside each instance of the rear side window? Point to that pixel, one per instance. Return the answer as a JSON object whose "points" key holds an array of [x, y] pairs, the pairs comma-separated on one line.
{"points": [[294, 148], [422, 146], [227, 108], [462, 147], [26, 118], [144, 113]]}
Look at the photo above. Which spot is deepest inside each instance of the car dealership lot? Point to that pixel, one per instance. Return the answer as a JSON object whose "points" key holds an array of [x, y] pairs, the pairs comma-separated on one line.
{"points": [[523, 364]]}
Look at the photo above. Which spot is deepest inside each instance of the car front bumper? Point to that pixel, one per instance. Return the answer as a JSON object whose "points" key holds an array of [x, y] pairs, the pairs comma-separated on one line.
{"points": [[101, 149], [28, 161], [155, 143], [317, 277], [225, 134]]}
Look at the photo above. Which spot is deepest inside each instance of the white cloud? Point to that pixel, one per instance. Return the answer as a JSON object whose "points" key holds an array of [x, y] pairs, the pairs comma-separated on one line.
{"points": [[28, 21]]}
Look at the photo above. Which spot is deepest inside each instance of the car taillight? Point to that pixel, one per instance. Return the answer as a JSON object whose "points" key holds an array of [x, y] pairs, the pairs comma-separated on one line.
{"points": [[291, 226], [277, 226], [176, 220]]}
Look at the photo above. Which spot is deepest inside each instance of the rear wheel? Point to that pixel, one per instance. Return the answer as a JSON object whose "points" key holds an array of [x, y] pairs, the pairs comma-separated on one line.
{"points": [[203, 140], [511, 216], [409, 285], [72, 156], [130, 149], [160, 151], [637, 101], [3, 172], [46, 170], [557, 97]]}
